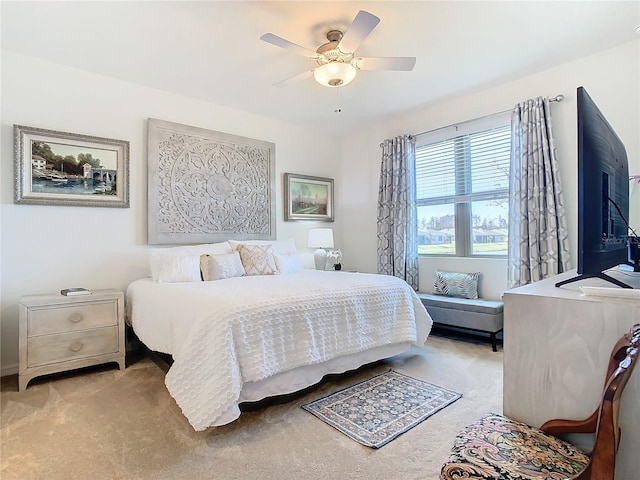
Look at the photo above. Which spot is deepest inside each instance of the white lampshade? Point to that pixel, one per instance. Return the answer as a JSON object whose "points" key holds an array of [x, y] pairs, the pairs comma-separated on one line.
{"points": [[320, 238], [335, 74]]}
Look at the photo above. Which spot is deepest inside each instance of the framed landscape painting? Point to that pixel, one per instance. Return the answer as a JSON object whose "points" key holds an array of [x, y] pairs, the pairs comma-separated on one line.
{"points": [[308, 198], [61, 168]]}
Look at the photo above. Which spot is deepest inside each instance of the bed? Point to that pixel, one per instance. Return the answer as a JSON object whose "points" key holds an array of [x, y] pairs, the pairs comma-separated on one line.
{"points": [[244, 338]]}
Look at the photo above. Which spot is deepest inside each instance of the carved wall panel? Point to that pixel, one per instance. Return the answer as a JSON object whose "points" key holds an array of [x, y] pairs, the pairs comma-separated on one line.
{"points": [[207, 186]]}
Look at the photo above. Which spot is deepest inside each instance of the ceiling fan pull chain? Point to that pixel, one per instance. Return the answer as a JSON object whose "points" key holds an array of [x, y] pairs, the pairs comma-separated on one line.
{"points": [[339, 109]]}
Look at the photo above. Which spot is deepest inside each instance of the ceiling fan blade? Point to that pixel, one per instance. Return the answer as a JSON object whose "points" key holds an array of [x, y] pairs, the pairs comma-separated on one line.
{"points": [[360, 28], [286, 44], [385, 63], [294, 79]]}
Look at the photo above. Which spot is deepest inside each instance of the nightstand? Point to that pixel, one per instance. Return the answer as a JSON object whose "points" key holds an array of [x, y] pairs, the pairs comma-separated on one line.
{"points": [[59, 333]]}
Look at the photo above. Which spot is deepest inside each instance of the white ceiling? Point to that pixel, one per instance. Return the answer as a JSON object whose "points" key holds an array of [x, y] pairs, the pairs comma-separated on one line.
{"points": [[212, 50]]}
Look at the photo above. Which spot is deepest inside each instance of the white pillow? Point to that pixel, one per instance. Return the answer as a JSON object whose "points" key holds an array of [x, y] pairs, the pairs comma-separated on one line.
{"points": [[258, 259], [288, 262], [279, 246], [157, 256], [178, 268], [219, 267]]}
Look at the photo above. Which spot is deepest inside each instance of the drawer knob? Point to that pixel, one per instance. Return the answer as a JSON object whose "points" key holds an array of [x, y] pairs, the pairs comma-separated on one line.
{"points": [[75, 317], [75, 346]]}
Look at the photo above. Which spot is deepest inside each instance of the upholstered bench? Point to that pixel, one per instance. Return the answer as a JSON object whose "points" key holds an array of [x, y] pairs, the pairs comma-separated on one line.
{"points": [[480, 315]]}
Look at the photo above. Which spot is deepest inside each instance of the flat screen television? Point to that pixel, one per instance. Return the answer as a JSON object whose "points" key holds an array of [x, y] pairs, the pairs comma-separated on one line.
{"points": [[603, 196]]}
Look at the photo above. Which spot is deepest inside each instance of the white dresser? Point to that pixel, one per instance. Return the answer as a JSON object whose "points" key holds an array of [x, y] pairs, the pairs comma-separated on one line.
{"points": [[557, 343], [59, 333]]}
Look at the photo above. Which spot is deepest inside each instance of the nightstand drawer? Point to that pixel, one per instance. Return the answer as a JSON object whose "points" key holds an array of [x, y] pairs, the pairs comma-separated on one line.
{"points": [[65, 318], [60, 347]]}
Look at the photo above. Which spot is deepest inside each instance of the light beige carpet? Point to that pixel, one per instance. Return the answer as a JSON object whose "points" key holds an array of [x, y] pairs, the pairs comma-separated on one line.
{"points": [[110, 424]]}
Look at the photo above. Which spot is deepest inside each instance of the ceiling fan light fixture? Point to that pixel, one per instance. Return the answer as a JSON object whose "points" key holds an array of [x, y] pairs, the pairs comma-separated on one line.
{"points": [[335, 74]]}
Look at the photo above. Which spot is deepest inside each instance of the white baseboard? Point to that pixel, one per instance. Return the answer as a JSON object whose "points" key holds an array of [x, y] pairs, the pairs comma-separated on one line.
{"points": [[6, 370]]}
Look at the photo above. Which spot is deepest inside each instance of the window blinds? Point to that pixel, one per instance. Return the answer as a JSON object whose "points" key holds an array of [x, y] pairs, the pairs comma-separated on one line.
{"points": [[465, 168]]}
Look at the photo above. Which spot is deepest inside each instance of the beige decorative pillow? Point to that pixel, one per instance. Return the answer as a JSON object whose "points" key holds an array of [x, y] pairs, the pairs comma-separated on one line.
{"points": [[258, 259], [219, 267], [279, 246]]}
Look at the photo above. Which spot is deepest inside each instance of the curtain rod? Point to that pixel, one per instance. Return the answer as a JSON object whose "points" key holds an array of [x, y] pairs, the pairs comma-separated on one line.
{"points": [[557, 98]]}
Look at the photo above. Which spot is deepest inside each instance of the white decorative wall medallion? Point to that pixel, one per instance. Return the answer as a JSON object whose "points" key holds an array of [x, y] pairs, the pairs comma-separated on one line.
{"points": [[207, 186]]}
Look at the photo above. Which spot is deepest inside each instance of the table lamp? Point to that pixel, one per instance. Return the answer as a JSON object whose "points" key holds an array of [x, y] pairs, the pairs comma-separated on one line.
{"points": [[320, 238]]}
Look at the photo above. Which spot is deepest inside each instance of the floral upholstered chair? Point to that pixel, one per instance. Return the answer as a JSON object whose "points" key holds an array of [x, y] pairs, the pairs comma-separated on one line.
{"points": [[498, 448]]}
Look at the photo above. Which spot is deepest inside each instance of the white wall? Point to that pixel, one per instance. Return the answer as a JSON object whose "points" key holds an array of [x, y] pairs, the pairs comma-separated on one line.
{"points": [[612, 79], [46, 248]]}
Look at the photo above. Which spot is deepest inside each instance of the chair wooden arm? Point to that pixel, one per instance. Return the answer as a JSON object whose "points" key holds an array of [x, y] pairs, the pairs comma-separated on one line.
{"points": [[560, 426]]}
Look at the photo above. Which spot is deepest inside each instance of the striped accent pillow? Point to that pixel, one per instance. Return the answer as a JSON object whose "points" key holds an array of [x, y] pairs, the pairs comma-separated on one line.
{"points": [[455, 284]]}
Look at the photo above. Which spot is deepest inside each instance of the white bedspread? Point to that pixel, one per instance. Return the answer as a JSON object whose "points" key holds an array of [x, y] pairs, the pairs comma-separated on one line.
{"points": [[225, 333]]}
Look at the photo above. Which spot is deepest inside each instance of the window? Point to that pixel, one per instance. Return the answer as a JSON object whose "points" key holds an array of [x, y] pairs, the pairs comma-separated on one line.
{"points": [[462, 182]]}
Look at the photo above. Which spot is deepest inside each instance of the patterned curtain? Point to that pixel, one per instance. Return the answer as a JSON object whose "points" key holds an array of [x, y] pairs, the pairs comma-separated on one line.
{"points": [[537, 226], [397, 228]]}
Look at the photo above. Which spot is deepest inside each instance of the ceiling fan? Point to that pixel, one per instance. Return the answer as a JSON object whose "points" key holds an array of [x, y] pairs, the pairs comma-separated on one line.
{"points": [[336, 59]]}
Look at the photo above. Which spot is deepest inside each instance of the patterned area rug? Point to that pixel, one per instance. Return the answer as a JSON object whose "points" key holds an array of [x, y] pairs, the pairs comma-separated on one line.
{"points": [[376, 411]]}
